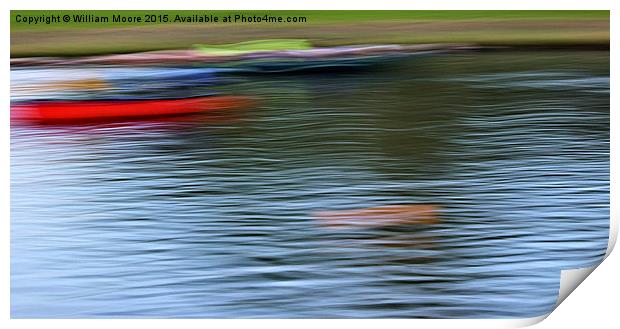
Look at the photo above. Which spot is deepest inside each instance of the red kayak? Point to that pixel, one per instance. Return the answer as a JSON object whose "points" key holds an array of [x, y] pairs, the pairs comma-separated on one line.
{"points": [[99, 110]]}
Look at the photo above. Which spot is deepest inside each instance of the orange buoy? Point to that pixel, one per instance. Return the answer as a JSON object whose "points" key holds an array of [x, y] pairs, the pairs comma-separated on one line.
{"points": [[380, 216]]}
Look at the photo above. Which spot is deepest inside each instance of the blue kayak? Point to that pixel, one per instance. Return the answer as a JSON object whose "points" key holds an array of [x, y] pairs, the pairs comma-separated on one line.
{"points": [[109, 82], [289, 65]]}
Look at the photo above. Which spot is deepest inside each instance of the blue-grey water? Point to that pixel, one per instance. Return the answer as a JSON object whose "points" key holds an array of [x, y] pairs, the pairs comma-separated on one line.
{"points": [[213, 217]]}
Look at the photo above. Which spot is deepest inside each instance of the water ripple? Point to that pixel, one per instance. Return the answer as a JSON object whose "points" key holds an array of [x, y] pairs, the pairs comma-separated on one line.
{"points": [[215, 219]]}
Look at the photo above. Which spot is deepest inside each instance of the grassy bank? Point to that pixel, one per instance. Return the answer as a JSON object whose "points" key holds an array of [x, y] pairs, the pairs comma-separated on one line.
{"points": [[323, 28]]}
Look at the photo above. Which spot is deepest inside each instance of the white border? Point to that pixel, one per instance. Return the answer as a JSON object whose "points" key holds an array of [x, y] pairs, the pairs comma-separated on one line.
{"points": [[574, 311], [323, 5]]}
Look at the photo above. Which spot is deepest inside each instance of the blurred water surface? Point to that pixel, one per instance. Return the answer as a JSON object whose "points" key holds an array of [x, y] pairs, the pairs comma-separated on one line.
{"points": [[212, 217]]}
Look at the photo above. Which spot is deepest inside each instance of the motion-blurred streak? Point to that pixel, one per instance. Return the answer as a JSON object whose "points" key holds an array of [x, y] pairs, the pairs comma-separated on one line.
{"points": [[244, 60], [53, 112], [380, 216]]}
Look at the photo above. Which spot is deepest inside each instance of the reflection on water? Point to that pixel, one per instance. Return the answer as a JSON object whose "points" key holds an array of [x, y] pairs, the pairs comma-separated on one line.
{"points": [[214, 218]]}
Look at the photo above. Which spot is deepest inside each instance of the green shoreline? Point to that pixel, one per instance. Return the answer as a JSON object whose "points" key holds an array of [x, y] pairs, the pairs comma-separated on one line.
{"points": [[574, 29]]}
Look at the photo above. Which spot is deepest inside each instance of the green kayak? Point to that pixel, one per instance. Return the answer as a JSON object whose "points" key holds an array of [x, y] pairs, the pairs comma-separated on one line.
{"points": [[254, 46]]}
